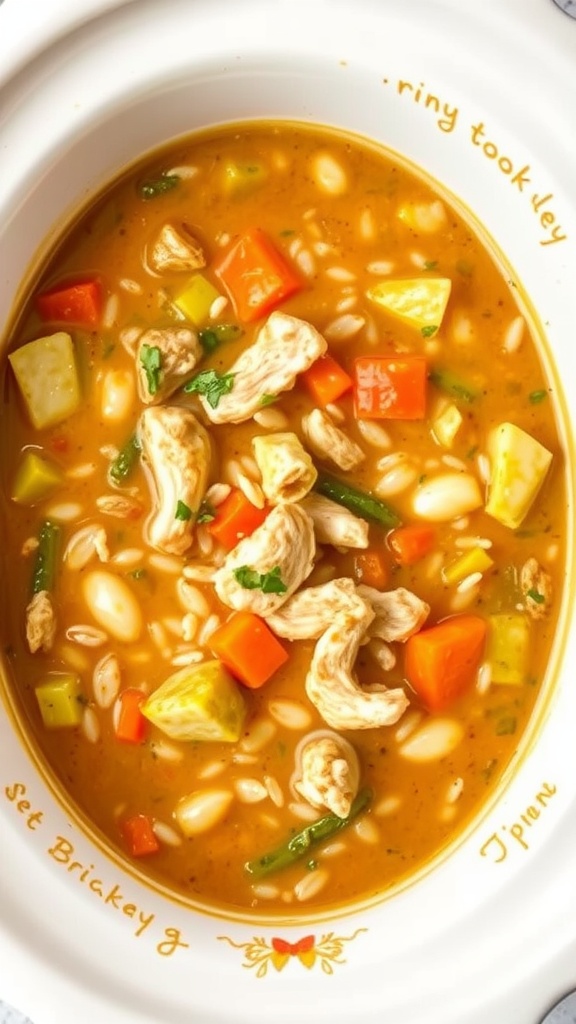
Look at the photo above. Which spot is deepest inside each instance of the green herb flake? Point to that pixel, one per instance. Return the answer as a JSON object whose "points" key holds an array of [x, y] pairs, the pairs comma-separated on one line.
{"points": [[268, 399], [151, 359], [206, 512], [428, 331], [535, 397], [212, 385], [212, 337], [430, 264], [137, 574], [535, 596], [183, 511], [154, 187], [506, 726], [268, 582]]}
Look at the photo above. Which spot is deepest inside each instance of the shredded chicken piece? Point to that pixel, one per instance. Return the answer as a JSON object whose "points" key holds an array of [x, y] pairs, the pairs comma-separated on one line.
{"points": [[286, 468], [119, 506], [327, 772], [536, 586], [176, 250], [40, 622], [398, 613], [334, 524], [284, 347], [329, 442], [309, 612], [176, 451], [283, 544], [177, 350], [331, 684]]}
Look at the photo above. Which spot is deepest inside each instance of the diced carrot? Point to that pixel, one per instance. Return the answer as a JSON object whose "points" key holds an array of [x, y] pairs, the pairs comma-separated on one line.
{"points": [[130, 724], [370, 568], [390, 387], [326, 380], [248, 649], [256, 275], [440, 663], [79, 303], [139, 836], [412, 542], [235, 518]]}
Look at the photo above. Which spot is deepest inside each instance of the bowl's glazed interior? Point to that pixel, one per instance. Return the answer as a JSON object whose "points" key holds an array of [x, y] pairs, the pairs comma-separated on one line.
{"points": [[501, 148]]}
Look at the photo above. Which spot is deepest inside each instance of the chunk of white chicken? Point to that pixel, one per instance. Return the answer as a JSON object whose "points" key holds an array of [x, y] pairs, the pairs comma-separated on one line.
{"points": [[330, 442], [398, 613], [40, 622], [327, 772], [175, 250], [334, 524], [332, 686], [285, 346], [265, 569], [309, 612], [176, 452], [536, 585], [285, 466], [165, 358]]}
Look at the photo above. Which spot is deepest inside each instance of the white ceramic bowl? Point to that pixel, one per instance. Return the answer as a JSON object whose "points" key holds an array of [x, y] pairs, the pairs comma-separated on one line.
{"points": [[488, 935]]}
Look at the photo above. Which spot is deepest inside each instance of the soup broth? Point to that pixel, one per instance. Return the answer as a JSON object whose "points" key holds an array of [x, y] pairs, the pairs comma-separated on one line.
{"points": [[284, 518]]}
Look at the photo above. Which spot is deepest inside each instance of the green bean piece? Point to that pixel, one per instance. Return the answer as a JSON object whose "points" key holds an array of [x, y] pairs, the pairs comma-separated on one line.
{"points": [[124, 463], [46, 557], [154, 187], [362, 504], [311, 835], [451, 385]]}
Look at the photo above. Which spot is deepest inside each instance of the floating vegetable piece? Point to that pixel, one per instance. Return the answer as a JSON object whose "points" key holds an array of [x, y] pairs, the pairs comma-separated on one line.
{"points": [[139, 835], [508, 648], [286, 468], [518, 468], [472, 561], [326, 380], [441, 662], [357, 501], [46, 557], [242, 178], [390, 387], [199, 702], [236, 518], [47, 376], [309, 837], [420, 302], [248, 648], [196, 299], [36, 477], [60, 700], [451, 384], [256, 275], [129, 722], [79, 304], [446, 425], [125, 461], [412, 542], [152, 188]]}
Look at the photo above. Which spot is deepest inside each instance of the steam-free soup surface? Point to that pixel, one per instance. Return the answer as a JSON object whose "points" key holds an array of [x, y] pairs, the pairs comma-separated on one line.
{"points": [[283, 518]]}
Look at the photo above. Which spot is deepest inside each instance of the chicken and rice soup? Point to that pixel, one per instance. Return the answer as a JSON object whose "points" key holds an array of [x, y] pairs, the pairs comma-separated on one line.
{"points": [[284, 517]]}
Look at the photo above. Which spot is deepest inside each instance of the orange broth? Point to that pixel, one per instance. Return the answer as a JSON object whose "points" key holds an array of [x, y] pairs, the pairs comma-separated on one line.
{"points": [[378, 220]]}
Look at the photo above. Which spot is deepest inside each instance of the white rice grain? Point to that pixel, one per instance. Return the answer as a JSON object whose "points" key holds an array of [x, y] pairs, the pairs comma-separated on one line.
{"points": [[259, 736], [513, 335], [290, 714], [250, 791], [128, 285], [484, 678], [166, 834], [211, 624], [374, 434], [380, 267], [310, 885], [90, 725], [110, 312], [165, 563], [271, 419], [274, 790], [344, 327], [217, 307]]}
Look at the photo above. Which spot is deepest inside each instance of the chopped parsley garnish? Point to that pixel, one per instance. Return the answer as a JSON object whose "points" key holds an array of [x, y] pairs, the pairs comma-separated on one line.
{"points": [[137, 574], [268, 582], [212, 385], [535, 596], [430, 264], [154, 187], [151, 359], [268, 399], [537, 396], [212, 337], [506, 726], [206, 512], [183, 511], [428, 331]]}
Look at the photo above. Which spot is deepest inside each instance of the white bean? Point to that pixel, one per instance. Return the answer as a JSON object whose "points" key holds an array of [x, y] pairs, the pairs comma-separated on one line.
{"points": [[113, 605], [437, 738], [446, 496], [329, 174], [202, 810], [118, 394]]}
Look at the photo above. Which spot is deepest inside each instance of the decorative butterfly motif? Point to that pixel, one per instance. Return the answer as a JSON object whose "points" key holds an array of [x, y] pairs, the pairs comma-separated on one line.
{"points": [[308, 950]]}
